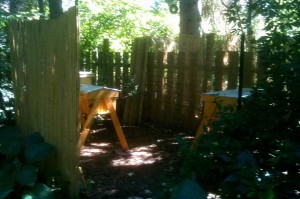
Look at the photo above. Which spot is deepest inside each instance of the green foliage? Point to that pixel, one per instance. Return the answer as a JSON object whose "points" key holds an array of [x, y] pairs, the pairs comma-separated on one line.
{"points": [[120, 22], [281, 41], [17, 10], [255, 152], [20, 173], [4, 50], [188, 189]]}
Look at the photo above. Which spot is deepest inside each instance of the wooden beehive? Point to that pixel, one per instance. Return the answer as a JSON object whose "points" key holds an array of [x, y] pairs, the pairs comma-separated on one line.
{"points": [[86, 77], [90, 93]]}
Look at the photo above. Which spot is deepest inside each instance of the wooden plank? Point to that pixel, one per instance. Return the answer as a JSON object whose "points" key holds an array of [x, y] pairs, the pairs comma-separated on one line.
{"points": [[171, 88], [249, 70], [118, 66], [186, 81], [94, 63], [133, 108], [125, 74], [116, 123], [100, 71], [209, 61], [109, 67], [219, 71], [233, 63], [180, 89], [195, 87], [149, 101], [159, 90]]}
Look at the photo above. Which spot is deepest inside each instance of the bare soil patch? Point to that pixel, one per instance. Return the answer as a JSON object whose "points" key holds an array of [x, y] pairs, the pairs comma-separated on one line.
{"points": [[153, 157]]}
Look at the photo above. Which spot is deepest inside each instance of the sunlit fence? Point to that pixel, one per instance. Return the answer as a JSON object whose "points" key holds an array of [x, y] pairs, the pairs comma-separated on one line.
{"points": [[45, 65], [167, 87]]}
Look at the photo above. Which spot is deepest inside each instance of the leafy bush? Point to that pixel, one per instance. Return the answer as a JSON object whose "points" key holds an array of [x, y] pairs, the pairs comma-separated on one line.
{"points": [[20, 167], [255, 152]]}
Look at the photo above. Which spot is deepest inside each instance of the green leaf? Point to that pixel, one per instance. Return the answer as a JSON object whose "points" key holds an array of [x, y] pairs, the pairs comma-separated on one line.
{"points": [[246, 158], [27, 175], [39, 191], [6, 180], [9, 131], [269, 194], [10, 145], [188, 189], [6, 186], [38, 152], [34, 138], [10, 141], [232, 178]]}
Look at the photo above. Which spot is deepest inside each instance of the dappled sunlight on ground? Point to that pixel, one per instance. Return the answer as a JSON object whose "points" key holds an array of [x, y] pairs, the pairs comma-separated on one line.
{"points": [[213, 196], [138, 156], [153, 154], [95, 149]]}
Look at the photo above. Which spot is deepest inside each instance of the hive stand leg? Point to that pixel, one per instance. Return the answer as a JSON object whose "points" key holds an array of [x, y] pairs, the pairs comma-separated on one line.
{"points": [[88, 122], [117, 125], [209, 111]]}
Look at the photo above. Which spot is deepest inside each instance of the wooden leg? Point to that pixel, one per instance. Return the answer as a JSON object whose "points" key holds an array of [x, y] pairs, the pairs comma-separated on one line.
{"points": [[116, 123], [85, 129], [209, 111]]}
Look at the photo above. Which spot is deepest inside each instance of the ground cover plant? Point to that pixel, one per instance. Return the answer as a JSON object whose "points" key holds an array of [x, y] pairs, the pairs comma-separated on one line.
{"points": [[22, 168]]}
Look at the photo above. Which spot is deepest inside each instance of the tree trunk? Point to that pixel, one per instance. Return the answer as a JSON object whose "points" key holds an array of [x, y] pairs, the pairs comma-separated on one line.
{"points": [[55, 7], [189, 17], [189, 37]]}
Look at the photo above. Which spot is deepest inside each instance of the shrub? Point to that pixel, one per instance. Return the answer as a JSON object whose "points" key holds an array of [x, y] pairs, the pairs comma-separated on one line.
{"points": [[255, 152], [21, 174]]}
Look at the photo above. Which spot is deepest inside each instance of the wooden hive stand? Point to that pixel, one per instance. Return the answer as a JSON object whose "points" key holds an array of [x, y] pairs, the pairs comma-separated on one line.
{"points": [[210, 101], [99, 100]]}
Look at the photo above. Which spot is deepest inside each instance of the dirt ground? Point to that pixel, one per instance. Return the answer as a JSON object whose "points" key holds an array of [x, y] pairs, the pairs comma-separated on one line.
{"points": [[153, 157]]}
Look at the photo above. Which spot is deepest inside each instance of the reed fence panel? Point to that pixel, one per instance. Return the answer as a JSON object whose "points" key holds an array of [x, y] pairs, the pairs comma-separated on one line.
{"points": [[45, 62]]}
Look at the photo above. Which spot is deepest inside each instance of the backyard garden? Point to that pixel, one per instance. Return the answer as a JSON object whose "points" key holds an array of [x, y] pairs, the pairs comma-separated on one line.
{"points": [[248, 150]]}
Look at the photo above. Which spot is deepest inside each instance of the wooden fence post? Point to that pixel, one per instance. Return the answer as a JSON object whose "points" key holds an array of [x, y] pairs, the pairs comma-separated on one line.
{"points": [[249, 70], [209, 60], [196, 90], [133, 104], [160, 87], [94, 63], [233, 63], [179, 87], [171, 97], [149, 101], [219, 71], [118, 66]]}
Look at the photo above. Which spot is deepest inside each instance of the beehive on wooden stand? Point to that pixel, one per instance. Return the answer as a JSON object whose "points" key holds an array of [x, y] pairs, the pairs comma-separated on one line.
{"points": [[99, 100], [210, 101], [90, 93]]}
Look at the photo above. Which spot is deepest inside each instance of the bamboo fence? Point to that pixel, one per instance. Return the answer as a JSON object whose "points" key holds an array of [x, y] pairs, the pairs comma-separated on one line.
{"points": [[45, 61], [170, 86]]}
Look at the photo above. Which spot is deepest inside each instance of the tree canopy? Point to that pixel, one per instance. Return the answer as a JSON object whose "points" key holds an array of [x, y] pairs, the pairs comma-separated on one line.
{"points": [[280, 37], [120, 21]]}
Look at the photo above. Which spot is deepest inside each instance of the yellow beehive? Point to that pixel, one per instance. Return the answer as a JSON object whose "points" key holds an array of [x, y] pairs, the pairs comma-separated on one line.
{"points": [[90, 93]]}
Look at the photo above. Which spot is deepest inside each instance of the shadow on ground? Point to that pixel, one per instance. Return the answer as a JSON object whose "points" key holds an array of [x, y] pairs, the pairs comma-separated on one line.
{"points": [[153, 156]]}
